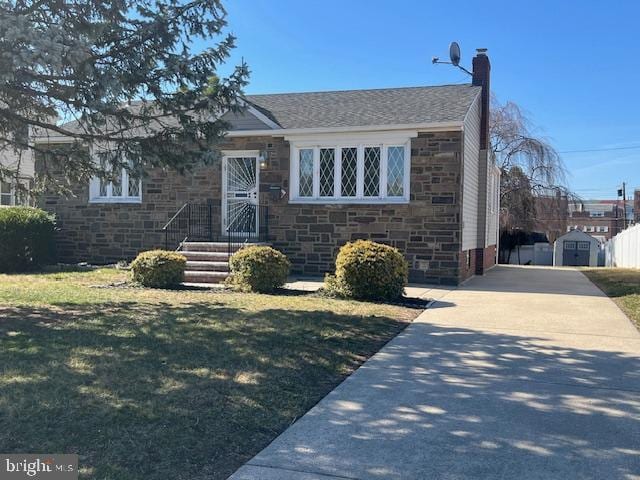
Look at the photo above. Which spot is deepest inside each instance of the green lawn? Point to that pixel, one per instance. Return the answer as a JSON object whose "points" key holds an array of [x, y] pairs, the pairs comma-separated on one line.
{"points": [[622, 285], [152, 384]]}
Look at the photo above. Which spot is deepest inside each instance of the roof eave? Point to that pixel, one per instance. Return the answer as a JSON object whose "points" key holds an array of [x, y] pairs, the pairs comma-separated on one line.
{"points": [[281, 132], [422, 127]]}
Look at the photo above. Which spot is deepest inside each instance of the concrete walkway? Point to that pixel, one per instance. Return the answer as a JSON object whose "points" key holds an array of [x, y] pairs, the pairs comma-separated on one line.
{"points": [[412, 290], [525, 373]]}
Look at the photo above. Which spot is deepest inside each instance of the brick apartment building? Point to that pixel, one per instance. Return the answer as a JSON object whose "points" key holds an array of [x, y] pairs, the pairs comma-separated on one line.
{"points": [[603, 219]]}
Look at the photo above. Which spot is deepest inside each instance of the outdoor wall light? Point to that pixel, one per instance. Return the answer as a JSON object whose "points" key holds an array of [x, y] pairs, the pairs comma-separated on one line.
{"points": [[263, 158]]}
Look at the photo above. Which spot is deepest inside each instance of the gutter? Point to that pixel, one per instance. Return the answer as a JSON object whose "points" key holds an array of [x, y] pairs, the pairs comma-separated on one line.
{"points": [[281, 132], [431, 127]]}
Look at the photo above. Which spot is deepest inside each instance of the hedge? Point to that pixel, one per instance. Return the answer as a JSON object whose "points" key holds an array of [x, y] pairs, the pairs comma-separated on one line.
{"points": [[258, 269], [26, 238], [159, 268], [368, 270]]}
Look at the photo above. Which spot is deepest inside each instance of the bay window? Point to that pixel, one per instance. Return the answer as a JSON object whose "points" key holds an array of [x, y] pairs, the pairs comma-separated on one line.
{"points": [[350, 173]]}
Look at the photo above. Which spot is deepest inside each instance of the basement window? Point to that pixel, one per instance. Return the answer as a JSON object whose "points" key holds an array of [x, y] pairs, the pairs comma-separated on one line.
{"points": [[351, 172]]}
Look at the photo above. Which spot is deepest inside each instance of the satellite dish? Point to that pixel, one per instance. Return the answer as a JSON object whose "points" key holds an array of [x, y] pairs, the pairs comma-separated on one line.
{"points": [[454, 53]]}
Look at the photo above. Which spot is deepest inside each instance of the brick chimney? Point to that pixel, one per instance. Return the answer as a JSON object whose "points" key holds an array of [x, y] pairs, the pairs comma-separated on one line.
{"points": [[481, 78]]}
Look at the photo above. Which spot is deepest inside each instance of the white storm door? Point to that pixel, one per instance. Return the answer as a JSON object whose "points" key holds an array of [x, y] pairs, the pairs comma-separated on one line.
{"points": [[240, 193]]}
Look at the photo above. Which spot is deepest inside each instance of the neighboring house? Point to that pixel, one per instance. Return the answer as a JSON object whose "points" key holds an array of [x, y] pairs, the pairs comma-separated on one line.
{"points": [[603, 219], [16, 176], [576, 248], [404, 166], [552, 214]]}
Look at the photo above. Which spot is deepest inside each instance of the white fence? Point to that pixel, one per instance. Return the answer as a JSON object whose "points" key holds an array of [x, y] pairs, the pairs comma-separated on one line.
{"points": [[623, 250], [537, 254]]}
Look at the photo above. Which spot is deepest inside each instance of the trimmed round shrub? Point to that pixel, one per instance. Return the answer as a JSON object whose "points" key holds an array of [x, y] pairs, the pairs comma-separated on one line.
{"points": [[159, 268], [258, 269], [26, 238], [368, 270]]}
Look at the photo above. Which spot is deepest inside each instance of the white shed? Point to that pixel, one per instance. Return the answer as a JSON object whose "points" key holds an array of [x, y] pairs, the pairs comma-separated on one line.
{"points": [[576, 249]]}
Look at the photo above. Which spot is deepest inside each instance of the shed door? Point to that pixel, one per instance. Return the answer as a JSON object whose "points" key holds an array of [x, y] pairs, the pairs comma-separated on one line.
{"points": [[576, 253]]}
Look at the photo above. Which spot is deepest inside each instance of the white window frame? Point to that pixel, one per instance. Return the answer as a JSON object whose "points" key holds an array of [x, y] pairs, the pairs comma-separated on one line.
{"points": [[95, 197], [337, 144], [13, 192]]}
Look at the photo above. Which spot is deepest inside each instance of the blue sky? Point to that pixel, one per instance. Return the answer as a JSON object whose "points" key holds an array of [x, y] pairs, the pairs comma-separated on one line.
{"points": [[573, 66]]}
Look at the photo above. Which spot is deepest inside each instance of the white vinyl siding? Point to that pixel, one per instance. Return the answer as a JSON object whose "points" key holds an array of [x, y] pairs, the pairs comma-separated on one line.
{"points": [[471, 193], [20, 159], [493, 206]]}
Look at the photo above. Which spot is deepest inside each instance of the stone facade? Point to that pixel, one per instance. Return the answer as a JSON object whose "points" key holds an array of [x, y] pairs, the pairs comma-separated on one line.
{"points": [[427, 230], [108, 232]]}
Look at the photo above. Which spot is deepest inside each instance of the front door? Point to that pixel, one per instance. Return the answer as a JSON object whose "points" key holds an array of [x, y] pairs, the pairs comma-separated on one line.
{"points": [[240, 193]]}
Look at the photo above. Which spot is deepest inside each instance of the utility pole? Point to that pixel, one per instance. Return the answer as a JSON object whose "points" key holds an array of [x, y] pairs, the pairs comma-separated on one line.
{"points": [[624, 205], [622, 192]]}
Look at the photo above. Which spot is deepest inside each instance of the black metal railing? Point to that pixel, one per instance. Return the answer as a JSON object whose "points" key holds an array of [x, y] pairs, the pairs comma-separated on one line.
{"points": [[249, 225], [193, 222], [202, 222]]}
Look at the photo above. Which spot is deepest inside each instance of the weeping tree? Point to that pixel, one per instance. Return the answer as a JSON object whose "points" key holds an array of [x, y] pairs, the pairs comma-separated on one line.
{"points": [[121, 79], [533, 188]]}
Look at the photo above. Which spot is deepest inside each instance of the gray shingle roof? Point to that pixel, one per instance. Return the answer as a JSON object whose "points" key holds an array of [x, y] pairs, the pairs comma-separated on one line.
{"points": [[351, 108]]}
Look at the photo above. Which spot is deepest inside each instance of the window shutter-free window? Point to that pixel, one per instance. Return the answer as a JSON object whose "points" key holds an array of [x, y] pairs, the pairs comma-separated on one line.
{"points": [[327, 172], [395, 171], [306, 172], [116, 184], [14, 193], [123, 186], [134, 185], [348, 184], [5, 194], [358, 172], [371, 171]]}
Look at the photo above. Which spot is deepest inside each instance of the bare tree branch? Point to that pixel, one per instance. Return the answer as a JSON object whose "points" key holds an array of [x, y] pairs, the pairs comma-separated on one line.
{"points": [[534, 193]]}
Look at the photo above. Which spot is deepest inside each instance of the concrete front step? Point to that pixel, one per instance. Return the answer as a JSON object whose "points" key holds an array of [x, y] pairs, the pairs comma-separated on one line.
{"points": [[205, 256], [207, 266], [205, 246], [197, 276], [212, 246], [207, 262]]}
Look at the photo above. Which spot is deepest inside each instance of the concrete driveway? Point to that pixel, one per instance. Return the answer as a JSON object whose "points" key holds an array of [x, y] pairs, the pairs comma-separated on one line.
{"points": [[525, 373]]}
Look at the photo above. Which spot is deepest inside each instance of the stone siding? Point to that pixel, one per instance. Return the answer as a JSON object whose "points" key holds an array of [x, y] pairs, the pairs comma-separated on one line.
{"points": [[108, 232], [427, 230]]}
